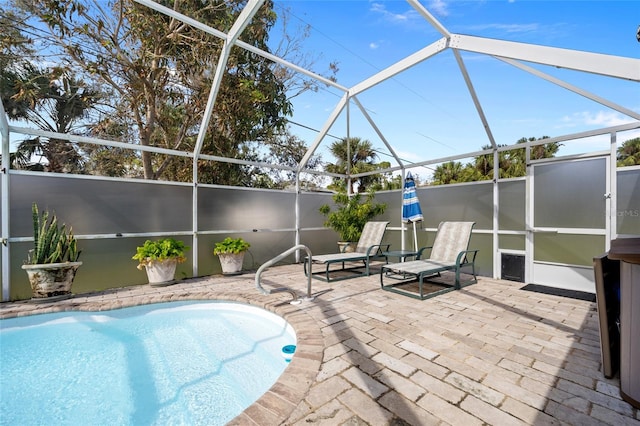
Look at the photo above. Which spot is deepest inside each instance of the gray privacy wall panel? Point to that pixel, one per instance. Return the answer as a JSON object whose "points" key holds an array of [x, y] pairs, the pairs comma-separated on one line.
{"points": [[628, 194], [101, 206]]}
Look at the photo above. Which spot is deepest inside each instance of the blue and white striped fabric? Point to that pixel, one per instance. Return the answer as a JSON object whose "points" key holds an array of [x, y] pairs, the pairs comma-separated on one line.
{"points": [[411, 211]]}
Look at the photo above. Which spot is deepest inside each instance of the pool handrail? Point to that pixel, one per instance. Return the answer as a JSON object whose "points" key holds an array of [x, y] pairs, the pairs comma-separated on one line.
{"points": [[285, 289]]}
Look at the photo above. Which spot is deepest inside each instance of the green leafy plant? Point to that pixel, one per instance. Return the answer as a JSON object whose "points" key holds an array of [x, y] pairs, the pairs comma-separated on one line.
{"points": [[159, 250], [52, 242], [351, 214], [231, 245]]}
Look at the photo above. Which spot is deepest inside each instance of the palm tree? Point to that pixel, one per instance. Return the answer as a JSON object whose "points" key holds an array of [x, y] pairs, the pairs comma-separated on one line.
{"points": [[450, 172], [629, 153], [511, 163], [57, 103], [354, 155], [515, 165]]}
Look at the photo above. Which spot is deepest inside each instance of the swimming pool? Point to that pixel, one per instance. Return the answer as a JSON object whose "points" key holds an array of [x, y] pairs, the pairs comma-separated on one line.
{"points": [[169, 363]]}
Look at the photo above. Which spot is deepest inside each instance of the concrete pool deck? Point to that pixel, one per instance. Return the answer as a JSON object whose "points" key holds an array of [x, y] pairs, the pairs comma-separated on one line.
{"points": [[490, 353]]}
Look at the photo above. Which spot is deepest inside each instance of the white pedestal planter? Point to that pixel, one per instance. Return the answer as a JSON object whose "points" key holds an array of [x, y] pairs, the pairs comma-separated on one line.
{"points": [[231, 263], [51, 281], [161, 273]]}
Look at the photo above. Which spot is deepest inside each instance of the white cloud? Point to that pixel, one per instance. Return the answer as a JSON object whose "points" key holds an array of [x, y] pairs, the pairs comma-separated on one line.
{"points": [[438, 7], [507, 28], [628, 136], [407, 156], [605, 118], [600, 118], [373, 45], [381, 9]]}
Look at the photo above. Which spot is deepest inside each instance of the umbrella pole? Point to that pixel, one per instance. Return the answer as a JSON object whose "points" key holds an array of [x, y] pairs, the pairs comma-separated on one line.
{"points": [[415, 237], [404, 236]]}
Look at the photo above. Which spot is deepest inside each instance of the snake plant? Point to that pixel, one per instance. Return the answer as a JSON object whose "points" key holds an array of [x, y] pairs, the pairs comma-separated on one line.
{"points": [[52, 242]]}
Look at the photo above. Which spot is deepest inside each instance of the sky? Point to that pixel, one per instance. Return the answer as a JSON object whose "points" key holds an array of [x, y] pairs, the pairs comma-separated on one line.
{"points": [[427, 112]]}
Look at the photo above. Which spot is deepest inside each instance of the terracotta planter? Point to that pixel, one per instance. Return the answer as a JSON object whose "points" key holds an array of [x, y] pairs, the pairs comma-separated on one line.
{"points": [[51, 280], [161, 273], [231, 263]]}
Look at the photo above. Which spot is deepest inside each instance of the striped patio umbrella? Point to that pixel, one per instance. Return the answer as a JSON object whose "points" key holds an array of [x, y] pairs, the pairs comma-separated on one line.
{"points": [[411, 211]]}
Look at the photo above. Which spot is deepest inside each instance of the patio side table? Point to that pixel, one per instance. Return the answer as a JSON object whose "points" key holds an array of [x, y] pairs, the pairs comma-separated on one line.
{"points": [[400, 254]]}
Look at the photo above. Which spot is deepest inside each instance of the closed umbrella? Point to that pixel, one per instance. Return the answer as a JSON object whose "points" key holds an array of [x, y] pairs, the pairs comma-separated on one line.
{"points": [[411, 211]]}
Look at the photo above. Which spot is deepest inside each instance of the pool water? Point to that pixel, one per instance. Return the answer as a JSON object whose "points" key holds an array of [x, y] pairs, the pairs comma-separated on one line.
{"points": [[191, 363]]}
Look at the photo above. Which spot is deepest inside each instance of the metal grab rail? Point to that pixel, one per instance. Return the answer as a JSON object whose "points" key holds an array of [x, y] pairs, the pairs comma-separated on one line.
{"points": [[285, 289]]}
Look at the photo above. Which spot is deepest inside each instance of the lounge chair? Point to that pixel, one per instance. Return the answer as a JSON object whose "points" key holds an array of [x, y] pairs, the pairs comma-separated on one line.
{"points": [[369, 248], [450, 252]]}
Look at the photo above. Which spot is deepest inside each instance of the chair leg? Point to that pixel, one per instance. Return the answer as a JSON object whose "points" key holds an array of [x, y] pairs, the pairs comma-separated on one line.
{"points": [[459, 285]]}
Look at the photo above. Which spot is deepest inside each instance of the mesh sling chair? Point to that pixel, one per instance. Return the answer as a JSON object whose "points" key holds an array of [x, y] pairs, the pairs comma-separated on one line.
{"points": [[450, 252], [369, 248]]}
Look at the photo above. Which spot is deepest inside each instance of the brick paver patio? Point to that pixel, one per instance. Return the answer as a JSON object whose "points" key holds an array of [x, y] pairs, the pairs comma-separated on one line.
{"points": [[490, 353]]}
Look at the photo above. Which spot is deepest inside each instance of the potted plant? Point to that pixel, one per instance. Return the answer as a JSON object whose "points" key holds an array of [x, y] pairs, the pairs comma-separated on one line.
{"points": [[350, 216], [52, 264], [160, 258], [231, 251]]}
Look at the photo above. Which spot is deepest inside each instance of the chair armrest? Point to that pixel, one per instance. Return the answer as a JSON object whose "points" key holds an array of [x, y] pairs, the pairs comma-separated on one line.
{"points": [[463, 255], [378, 249], [421, 250]]}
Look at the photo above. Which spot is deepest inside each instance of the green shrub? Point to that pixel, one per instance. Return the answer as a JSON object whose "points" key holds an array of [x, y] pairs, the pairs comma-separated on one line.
{"points": [[231, 245], [351, 214], [159, 250]]}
